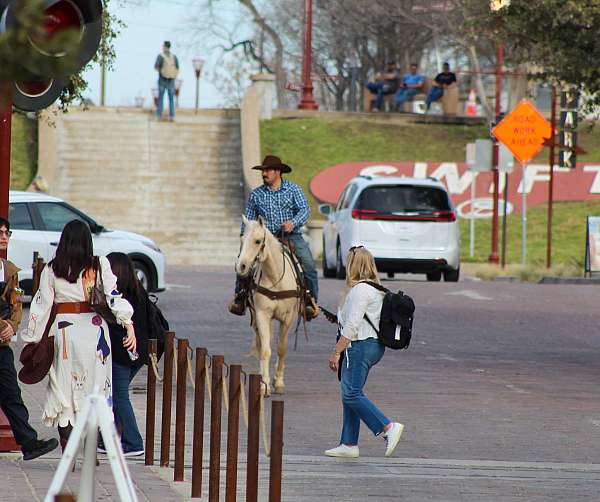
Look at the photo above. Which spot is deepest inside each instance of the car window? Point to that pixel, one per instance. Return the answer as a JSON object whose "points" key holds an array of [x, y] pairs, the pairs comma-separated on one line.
{"points": [[55, 216], [403, 198], [341, 199], [349, 196], [19, 217]]}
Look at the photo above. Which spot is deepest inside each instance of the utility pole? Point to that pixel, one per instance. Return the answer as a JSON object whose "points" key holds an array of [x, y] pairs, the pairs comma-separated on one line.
{"points": [[551, 184]]}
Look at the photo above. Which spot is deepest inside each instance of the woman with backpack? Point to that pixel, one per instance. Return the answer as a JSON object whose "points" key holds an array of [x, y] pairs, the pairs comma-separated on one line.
{"points": [[362, 350], [82, 346], [125, 364]]}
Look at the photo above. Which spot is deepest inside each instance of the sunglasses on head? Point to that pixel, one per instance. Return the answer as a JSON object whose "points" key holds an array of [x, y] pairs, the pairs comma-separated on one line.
{"points": [[354, 248]]}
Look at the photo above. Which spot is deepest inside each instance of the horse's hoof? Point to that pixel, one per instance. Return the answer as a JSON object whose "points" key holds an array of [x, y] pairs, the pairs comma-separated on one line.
{"points": [[279, 389]]}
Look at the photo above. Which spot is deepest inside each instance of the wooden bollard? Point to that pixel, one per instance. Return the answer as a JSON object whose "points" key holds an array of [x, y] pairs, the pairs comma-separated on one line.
{"points": [[150, 405], [165, 432], [63, 497], [182, 348], [254, 390], [198, 444], [214, 471], [233, 427], [276, 466]]}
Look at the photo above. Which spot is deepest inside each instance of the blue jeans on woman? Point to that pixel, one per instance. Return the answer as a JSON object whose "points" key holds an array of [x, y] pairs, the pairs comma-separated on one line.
{"points": [[131, 439], [358, 360]]}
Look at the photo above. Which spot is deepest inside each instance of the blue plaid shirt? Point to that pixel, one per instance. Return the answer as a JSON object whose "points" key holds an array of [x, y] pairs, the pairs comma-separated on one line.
{"points": [[276, 207]]}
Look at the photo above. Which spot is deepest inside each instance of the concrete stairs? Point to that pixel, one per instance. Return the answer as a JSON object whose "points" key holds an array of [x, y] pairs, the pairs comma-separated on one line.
{"points": [[179, 183]]}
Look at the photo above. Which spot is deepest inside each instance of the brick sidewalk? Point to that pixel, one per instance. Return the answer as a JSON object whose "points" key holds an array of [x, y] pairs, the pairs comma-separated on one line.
{"points": [[26, 481]]}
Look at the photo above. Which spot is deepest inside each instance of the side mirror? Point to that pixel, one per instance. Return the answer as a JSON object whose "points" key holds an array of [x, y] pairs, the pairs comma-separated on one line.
{"points": [[325, 209]]}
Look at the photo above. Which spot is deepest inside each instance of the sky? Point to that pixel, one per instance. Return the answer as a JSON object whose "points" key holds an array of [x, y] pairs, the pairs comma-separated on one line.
{"points": [[148, 24]]}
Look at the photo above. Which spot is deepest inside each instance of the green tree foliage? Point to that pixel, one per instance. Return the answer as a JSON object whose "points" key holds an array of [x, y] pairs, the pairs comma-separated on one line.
{"points": [[559, 36]]}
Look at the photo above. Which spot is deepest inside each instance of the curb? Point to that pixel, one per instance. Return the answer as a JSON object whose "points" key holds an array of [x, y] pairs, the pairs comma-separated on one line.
{"points": [[570, 280]]}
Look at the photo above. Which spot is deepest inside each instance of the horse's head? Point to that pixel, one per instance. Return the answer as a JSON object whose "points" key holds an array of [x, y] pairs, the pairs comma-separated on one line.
{"points": [[253, 245]]}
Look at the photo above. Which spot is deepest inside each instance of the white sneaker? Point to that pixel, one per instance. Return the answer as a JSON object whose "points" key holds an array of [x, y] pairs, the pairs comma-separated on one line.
{"points": [[392, 438], [133, 453], [343, 451]]}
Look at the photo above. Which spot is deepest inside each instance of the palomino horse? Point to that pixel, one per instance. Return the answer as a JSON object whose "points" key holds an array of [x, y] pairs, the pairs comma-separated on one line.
{"points": [[274, 294]]}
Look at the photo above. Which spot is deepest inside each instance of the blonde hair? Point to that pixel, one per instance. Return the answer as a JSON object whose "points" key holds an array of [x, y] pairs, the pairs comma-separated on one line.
{"points": [[360, 267]]}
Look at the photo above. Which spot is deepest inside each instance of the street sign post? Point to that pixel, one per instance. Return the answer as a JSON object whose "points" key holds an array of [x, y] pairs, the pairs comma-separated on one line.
{"points": [[524, 131]]}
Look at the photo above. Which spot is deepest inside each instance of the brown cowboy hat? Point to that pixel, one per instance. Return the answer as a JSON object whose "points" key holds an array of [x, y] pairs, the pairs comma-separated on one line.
{"points": [[273, 162]]}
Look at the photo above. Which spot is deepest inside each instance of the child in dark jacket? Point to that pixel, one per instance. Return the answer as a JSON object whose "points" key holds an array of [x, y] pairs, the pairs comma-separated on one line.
{"points": [[125, 365]]}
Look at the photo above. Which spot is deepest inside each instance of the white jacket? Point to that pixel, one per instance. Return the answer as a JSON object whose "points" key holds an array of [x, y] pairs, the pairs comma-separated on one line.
{"points": [[361, 299]]}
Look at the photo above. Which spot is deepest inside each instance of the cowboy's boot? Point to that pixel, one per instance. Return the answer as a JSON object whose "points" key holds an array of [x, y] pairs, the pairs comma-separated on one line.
{"points": [[238, 305], [311, 309]]}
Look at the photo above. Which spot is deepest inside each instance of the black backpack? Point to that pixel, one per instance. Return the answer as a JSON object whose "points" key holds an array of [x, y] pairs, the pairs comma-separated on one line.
{"points": [[157, 324], [396, 320]]}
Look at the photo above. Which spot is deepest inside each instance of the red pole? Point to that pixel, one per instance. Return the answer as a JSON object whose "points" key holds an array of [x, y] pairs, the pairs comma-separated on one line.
{"points": [[494, 255], [551, 184], [308, 100], [5, 135]]}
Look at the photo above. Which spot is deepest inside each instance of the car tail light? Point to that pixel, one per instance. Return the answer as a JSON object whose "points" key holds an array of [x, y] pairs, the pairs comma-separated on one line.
{"points": [[445, 216], [364, 214]]}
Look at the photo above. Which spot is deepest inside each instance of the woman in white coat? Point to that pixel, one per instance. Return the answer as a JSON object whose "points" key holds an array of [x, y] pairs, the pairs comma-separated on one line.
{"points": [[82, 350], [362, 350]]}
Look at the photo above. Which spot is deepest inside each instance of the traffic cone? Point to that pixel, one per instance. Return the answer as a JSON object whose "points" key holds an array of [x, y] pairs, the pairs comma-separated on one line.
{"points": [[471, 104]]}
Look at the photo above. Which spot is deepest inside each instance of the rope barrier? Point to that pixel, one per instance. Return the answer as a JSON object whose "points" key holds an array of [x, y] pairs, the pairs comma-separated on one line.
{"points": [[243, 401], [154, 365], [189, 370], [226, 387], [263, 423], [208, 381]]}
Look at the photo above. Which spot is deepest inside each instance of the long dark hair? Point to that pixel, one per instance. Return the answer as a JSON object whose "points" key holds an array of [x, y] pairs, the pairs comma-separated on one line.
{"points": [[127, 282], [75, 252]]}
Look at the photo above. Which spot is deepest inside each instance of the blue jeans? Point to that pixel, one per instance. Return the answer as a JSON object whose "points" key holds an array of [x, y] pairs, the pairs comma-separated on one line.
{"points": [[404, 95], [308, 263], [131, 439], [168, 85], [360, 358], [381, 89], [435, 93]]}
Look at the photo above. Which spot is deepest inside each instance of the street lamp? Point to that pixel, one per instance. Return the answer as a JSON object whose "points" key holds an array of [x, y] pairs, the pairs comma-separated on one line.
{"points": [[197, 62], [308, 100]]}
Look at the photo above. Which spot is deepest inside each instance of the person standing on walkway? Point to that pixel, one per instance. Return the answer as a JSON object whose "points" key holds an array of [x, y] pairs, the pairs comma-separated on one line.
{"points": [[167, 66], [284, 208], [362, 350], [124, 367], [11, 400], [82, 348]]}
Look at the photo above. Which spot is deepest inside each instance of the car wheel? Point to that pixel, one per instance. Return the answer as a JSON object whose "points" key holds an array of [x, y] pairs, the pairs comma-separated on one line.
{"points": [[340, 270], [434, 276], [327, 271], [451, 275], [143, 274]]}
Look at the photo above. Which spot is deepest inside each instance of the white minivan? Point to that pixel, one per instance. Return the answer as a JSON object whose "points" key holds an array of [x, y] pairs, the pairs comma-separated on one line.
{"points": [[37, 220], [408, 224]]}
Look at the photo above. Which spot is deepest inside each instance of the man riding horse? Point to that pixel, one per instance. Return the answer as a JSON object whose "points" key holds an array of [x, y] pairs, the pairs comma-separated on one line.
{"points": [[284, 208]]}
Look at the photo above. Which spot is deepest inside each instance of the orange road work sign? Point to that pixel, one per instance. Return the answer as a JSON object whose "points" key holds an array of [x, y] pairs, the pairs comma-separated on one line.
{"points": [[524, 131]]}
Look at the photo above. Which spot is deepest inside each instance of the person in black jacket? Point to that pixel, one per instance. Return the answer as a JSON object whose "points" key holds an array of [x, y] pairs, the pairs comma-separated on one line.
{"points": [[125, 365]]}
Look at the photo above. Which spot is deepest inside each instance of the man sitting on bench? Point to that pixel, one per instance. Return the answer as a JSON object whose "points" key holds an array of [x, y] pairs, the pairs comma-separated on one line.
{"points": [[386, 82], [441, 82], [412, 84]]}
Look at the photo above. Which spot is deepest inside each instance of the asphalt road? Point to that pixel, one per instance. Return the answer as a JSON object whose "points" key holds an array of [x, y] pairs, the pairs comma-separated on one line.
{"points": [[498, 391]]}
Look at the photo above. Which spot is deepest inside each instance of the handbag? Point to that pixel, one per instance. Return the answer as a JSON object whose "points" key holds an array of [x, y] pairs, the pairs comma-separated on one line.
{"points": [[38, 357], [97, 299]]}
